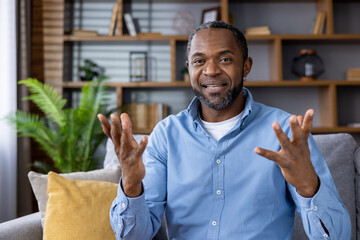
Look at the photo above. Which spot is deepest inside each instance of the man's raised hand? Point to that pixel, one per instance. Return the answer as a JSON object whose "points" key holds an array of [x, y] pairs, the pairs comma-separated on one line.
{"points": [[294, 155], [128, 151]]}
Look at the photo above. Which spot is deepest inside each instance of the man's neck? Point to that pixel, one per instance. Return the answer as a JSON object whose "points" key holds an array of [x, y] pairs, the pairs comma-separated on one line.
{"points": [[213, 115]]}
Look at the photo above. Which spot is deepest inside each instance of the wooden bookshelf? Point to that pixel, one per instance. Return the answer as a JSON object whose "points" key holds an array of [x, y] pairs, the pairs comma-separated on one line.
{"points": [[156, 37], [52, 25]]}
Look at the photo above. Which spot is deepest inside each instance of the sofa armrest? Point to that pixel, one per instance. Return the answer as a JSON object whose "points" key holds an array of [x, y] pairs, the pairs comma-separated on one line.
{"points": [[25, 228]]}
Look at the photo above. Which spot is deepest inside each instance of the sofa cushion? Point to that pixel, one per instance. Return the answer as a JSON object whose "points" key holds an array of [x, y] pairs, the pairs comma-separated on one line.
{"points": [[25, 228], [338, 151], [39, 183], [78, 209], [110, 156]]}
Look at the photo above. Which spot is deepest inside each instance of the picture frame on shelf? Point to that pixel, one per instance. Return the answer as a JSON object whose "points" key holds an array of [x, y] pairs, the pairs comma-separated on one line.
{"points": [[211, 14], [138, 66]]}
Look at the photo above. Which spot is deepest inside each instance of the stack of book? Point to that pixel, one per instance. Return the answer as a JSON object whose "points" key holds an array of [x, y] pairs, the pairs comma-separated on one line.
{"points": [[116, 23], [353, 74], [145, 116], [263, 30], [319, 23]]}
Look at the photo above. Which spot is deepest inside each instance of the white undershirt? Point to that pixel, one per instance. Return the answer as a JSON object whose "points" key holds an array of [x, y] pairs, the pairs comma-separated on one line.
{"points": [[218, 129]]}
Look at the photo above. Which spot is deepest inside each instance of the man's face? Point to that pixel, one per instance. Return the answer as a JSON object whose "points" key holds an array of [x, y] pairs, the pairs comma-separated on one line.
{"points": [[216, 67]]}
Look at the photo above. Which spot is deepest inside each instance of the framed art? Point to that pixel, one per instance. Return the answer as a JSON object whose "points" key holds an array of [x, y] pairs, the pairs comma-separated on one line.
{"points": [[211, 14]]}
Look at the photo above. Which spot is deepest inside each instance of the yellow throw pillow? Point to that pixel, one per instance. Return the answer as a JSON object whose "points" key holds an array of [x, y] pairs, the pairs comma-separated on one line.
{"points": [[78, 209]]}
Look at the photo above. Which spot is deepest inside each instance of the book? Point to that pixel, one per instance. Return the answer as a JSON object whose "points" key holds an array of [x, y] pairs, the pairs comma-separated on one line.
{"points": [[119, 18], [354, 125], [130, 25], [353, 74], [319, 23], [322, 23], [262, 30], [145, 116], [84, 33], [113, 20]]}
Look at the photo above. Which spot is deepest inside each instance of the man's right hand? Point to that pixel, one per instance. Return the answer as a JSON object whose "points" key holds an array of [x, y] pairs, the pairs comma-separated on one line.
{"points": [[128, 151]]}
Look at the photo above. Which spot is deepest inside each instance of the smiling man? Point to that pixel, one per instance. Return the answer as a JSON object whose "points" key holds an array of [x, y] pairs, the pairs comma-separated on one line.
{"points": [[226, 167]]}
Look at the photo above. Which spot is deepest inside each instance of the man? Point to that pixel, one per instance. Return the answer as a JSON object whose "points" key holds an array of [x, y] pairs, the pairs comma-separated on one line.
{"points": [[217, 168]]}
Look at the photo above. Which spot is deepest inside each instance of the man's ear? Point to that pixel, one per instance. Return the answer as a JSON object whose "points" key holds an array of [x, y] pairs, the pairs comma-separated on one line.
{"points": [[247, 66], [187, 64]]}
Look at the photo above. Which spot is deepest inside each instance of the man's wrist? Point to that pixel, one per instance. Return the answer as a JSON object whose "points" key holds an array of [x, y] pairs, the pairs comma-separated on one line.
{"points": [[131, 190], [311, 190]]}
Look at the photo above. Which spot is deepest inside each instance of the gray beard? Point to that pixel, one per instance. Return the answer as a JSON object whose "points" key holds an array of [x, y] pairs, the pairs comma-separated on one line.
{"points": [[229, 98]]}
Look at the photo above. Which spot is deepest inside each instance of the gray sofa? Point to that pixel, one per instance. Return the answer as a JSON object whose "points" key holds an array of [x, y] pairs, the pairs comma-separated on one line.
{"points": [[341, 154]]}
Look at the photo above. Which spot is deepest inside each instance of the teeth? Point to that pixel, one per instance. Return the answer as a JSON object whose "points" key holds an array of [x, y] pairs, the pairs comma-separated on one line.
{"points": [[212, 86]]}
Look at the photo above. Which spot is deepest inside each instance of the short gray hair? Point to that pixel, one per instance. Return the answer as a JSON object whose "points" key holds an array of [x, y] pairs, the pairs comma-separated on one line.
{"points": [[238, 35]]}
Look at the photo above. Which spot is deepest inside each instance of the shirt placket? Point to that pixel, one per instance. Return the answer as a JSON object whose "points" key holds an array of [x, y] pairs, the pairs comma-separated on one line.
{"points": [[218, 193]]}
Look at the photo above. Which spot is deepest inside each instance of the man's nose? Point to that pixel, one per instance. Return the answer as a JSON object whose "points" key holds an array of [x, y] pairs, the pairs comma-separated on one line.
{"points": [[211, 69]]}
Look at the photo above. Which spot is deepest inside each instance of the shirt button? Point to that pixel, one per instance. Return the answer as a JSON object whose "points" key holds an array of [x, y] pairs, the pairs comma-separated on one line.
{"points": [[315, 208], [218, 161], [325, 235], [123, 205], [120, 225], [218, 192], [213, 223]]}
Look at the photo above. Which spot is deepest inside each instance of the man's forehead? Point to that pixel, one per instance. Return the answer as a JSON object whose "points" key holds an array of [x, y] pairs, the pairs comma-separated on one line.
{"points": [[222, 39], [211, 33]]}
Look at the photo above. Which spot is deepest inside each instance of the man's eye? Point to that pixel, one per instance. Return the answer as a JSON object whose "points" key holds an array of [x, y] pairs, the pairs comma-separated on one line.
{"points": [[225, 60], [198, 61]]}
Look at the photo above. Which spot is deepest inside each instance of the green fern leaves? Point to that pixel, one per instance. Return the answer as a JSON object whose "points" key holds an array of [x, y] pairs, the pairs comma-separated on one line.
{"points": [[69, 136], [47, 99]]}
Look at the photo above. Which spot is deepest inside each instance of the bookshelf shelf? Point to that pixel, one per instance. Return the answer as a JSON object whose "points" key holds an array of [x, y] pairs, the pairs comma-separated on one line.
{"points": [[156, 37], [342, 37], [139, 37], [335, 130], [285, 83], [130, 84]]}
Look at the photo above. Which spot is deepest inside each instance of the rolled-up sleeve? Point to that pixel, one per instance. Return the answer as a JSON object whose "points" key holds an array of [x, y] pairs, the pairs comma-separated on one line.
{"points": [[126, 212], [140, 217], [325, 206]]}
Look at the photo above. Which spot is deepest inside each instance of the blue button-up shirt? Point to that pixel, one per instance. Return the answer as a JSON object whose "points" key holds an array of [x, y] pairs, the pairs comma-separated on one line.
{"points": [[223, 190]]}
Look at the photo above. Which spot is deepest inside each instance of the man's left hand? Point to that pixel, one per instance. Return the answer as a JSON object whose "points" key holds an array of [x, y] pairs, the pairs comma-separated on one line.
{"points": [[294, 155]]}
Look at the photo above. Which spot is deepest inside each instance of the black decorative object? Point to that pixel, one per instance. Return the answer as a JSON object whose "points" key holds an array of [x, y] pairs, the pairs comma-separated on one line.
{"points": [[138, 66], [308, 66]]}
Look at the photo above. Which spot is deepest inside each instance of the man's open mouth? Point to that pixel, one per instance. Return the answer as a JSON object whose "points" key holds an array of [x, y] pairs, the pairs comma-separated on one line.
{"points": [[212, 86]]}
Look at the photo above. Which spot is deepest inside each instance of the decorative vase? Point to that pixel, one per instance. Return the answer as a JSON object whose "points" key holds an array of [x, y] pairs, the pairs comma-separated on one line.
{"points": [[308, 65]]}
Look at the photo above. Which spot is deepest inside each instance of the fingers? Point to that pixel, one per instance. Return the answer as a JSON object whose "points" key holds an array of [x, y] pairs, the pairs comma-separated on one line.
{"points": [[126, 126], [104, 124], [115, 130], [271, 155], [308, 121], [300, 119], [126, 122], [141, 148], [281, 136], [296, 129], [127, 139], [301, 126]]}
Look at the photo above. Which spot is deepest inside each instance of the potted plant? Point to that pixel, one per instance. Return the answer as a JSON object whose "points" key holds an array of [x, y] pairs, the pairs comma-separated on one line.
{"points": [[186, 75], [90, 70], [68, 136]]}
